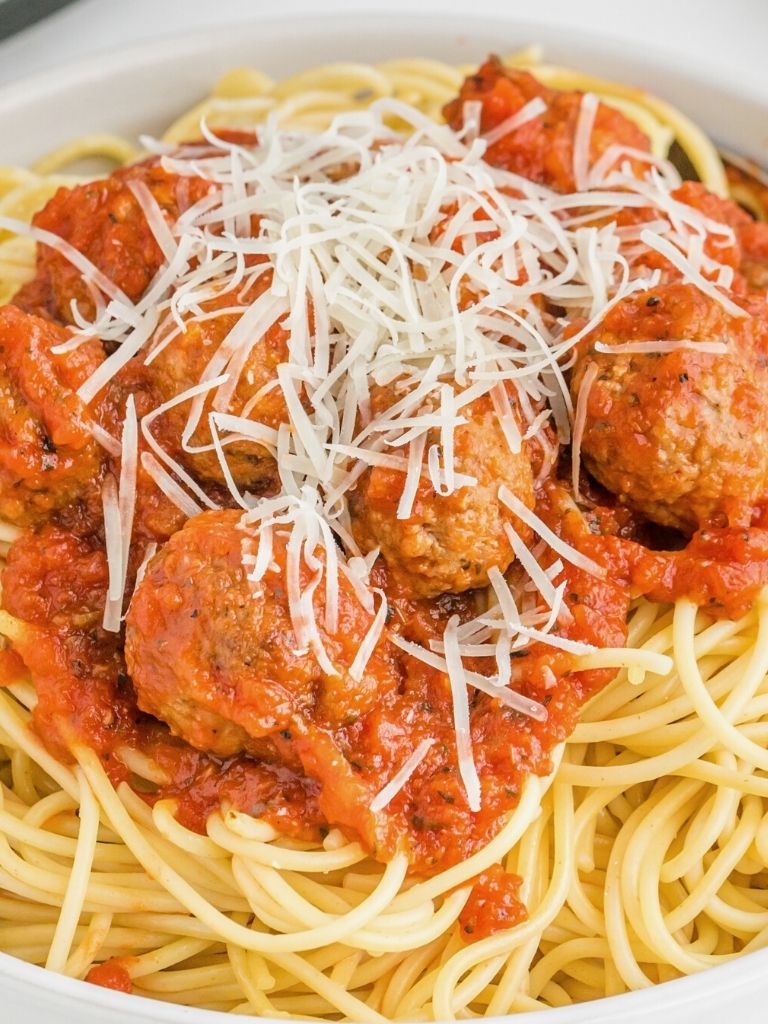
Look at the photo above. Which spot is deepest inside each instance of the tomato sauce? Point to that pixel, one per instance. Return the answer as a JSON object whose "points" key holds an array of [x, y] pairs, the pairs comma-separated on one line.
{"points": [[111, 974], [493, 905], [12, 667], [56, 582], [721, 569]]}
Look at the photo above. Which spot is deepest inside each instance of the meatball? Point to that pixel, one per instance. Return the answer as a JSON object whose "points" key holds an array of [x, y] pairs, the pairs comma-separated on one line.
{"points": [[753, 237], [216, 657], [541, 149], [55, 583], [106, 223], [156, 517], [722, 246], [48, 458], [681, 436], [180, 364], [449, 542]]}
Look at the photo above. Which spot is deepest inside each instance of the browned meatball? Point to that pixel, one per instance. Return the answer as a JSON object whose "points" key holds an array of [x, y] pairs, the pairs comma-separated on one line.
{"points": [[448, 543], [48, 457], [753, 237], [179, 365], [681, 437], [542, 148], [217, 660], [105, 222]]}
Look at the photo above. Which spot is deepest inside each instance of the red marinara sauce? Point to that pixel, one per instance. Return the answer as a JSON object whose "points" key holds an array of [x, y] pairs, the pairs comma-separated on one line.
{"points": [[12, 666], [493, 905], [55, 581], [720, 568], [111, 974]]}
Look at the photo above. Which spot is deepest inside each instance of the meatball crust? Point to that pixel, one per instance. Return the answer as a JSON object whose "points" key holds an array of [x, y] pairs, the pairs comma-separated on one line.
{"points": [[722, 243], [104, 221], [48, 458], [215, 656], [541, 149], [754, 266], [681, 437], [449, 542], [180, 364]]}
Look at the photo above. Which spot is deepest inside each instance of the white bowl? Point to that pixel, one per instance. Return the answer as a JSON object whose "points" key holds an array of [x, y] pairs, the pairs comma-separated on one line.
{"points": [[141, 90]]}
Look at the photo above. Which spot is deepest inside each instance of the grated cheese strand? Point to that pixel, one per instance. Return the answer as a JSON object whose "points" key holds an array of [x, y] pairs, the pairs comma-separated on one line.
{"points": [[399, 780], [371, 638], [531, 110], [170, 487], [558, 545], [155, 219], [114, 549], [579, 423], [127, 486], [662, 347], [582, 138], [461, 724]]}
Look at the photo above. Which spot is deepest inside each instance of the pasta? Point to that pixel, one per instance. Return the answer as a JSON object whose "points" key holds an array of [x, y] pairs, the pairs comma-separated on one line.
{"points": [[642, 855], [643, 781]]}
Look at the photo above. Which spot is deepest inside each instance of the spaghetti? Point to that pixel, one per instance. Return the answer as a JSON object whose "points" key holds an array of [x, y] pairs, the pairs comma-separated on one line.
{"points": [[639, 842]]}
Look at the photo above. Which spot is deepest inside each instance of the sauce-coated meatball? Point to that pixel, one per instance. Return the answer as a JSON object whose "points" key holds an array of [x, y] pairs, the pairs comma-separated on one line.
{"points": [[449, 542], [541, 149], [180, 365], [216, 657], [104, 221], [48, 458], [682, 436]]}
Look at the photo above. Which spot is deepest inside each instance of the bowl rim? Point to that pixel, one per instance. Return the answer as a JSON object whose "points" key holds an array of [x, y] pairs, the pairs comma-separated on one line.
{"points": [[31, 87], [685, 992]]}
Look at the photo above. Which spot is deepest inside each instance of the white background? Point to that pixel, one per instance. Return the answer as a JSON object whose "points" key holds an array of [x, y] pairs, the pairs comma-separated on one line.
{"points": [[732, 35]]}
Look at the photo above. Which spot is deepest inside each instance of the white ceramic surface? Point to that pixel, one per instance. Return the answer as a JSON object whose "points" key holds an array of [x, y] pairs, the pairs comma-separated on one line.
{"points": [[141, 90], [729, 37]]}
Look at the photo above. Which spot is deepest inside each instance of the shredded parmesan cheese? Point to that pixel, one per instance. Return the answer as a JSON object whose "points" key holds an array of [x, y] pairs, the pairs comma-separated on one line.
{"points": [[370, 640], [582, 139], [461, 724], [570, 554], [662, 347], [579, 422], [396, 783]]}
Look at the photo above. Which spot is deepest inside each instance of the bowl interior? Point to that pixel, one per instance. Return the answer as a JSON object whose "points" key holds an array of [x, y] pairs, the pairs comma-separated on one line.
{"points": [[143, 88]]}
